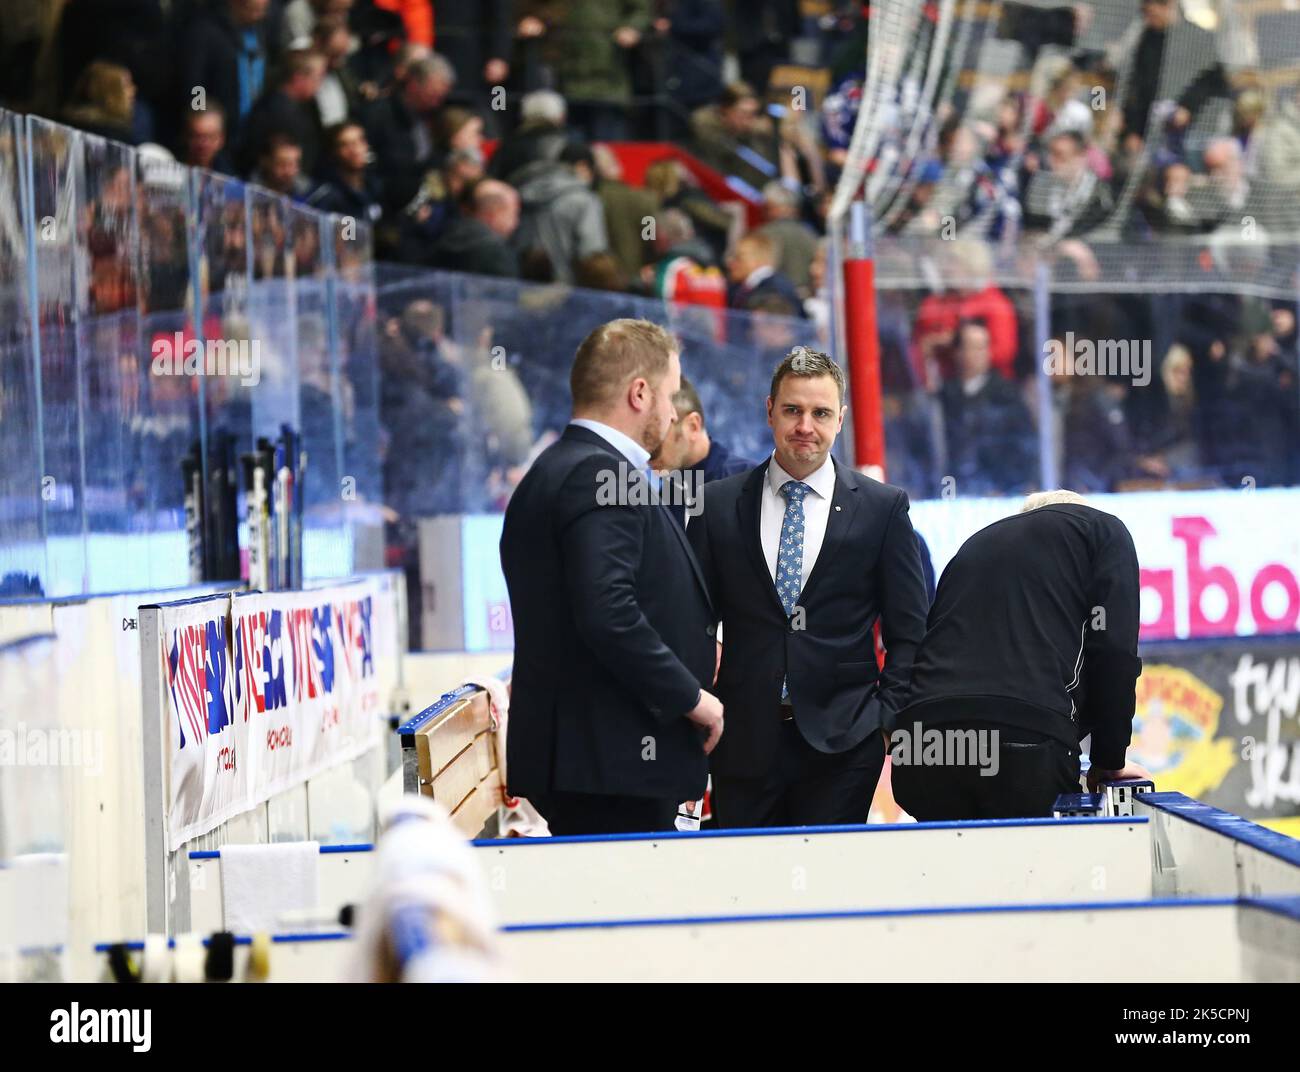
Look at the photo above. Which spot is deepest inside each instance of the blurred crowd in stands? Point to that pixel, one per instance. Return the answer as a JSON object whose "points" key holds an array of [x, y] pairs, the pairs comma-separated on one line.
{"points": [[488, 137], [1154, 166]]}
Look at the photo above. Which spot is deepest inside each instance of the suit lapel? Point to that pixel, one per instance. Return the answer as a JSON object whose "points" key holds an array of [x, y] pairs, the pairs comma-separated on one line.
{"points": [[679, 532], [839, 520], [749, 508], [663, 513]]}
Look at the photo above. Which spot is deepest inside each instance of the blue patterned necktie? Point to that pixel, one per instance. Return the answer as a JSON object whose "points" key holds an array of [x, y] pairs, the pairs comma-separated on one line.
{"points": [[789, 552]]}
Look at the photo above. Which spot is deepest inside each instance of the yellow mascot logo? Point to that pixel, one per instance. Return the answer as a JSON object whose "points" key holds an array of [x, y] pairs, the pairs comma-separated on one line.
{"points": [[1173, 731]]}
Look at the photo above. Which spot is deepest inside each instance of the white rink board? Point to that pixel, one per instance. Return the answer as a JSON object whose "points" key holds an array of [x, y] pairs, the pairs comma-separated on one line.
{"points": [[814, 870], [1041, 943], [346, 875], [1203, 851], [1188, 860], [1028, 944], [818, 869]]}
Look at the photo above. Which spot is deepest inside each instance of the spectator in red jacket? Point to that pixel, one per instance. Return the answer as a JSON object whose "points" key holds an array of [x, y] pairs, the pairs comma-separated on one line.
{"points": [[971, 295], [417, 18]]}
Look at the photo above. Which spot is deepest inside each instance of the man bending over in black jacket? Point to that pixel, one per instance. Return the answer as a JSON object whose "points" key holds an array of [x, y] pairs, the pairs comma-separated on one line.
{"points": [[1031, 646]]}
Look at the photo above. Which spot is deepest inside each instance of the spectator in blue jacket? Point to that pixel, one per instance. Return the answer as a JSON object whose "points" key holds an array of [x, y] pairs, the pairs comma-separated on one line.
{"points": [[688, 454]]}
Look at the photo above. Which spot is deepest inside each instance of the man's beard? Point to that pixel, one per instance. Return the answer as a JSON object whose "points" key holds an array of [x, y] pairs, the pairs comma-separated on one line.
{"points": [[651, 437]]}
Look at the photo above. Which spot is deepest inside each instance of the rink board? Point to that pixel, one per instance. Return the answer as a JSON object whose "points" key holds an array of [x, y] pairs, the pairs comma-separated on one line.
{"points": [[1203, 851], [811, 869], [1234, 942], [801, 869]]}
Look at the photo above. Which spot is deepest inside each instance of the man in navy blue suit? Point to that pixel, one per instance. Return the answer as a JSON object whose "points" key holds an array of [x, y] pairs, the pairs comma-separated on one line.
{"points": [[802, 557], [611, 722], [756, 282]]}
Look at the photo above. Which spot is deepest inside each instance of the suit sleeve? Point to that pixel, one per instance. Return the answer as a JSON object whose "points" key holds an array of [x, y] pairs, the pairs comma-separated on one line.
{"points": [[602, 549], [1110, 663], [903, 609]]}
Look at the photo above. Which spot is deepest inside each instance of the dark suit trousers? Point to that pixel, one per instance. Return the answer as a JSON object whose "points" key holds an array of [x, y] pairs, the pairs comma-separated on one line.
{"points": [[596, 813], [805, 787], [1033, 769]]}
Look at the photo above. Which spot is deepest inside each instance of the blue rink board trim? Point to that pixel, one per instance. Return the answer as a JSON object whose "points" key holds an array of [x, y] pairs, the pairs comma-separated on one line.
{"points": [[436, 708], [210, 597], [215, 854], [674, 835], [1225, 823], [1280, 906], [775, 831], [1283, 906], [219, 588], [240, 939]]}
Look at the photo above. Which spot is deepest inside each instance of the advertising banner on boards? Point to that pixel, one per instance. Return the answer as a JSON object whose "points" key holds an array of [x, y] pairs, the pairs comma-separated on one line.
{"points": [[205, 744], [260, 692], [305, 681], [1221, 722]]}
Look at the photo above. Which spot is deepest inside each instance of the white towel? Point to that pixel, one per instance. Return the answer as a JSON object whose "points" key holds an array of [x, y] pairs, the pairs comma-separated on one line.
{"points": [[259, 883]]}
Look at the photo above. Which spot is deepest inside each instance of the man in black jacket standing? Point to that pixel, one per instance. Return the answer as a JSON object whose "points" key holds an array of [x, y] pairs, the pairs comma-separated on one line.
{"points": [[289, 108], [990, 437], [1166, 58], [477, 239], [610, 724], [228, 53], [1031, 646], [398, 126], [803, 557]]}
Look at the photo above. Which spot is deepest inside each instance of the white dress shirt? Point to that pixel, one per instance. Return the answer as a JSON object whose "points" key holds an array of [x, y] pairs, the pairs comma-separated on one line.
{"points": [[331, 101], [636, 454], [816, 510]]}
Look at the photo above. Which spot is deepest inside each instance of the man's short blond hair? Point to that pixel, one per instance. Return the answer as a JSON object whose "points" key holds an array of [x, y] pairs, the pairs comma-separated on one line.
{"points": [[1049, 498], [763, 247], [615, 354]]}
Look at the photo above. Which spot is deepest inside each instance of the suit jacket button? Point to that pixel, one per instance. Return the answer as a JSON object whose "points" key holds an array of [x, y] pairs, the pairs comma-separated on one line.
{"points": [[712, 630]]}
